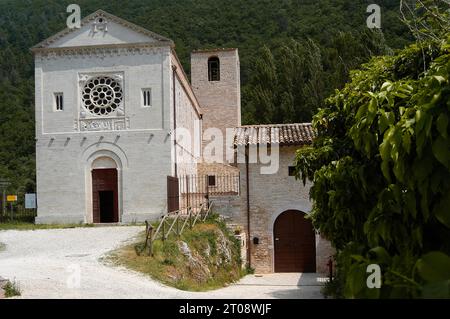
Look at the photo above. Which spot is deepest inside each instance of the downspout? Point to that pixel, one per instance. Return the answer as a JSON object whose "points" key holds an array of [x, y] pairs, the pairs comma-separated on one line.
{"points": [[174, 68], [249, 254]]}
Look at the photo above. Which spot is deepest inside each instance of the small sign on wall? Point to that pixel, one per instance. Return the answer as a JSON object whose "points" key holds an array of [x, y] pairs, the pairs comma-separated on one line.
{"points": [[11, 198], [30, 201]]}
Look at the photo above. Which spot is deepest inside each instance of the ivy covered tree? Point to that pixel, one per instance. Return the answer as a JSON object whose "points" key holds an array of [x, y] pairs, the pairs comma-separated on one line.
{"points": [[381, 171]]}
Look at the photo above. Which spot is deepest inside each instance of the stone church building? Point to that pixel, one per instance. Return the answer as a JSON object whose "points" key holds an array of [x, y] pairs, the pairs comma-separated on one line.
{"points": [[110, 100]]}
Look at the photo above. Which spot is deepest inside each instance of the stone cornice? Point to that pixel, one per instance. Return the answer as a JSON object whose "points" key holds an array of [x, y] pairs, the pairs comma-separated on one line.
{"points": [[101, 50]]}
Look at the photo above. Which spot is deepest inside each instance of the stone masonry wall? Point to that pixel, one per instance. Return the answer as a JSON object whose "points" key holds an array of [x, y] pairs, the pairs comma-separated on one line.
{"points": [[270, 196], [220, 100], [324, 251]]}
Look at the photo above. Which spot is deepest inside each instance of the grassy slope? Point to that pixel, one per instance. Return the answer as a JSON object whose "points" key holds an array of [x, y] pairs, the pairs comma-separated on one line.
{"points": [[171, 267]]}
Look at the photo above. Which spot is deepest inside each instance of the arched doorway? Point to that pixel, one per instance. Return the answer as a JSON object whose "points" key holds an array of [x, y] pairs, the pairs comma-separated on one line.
{"points": [[295, 243], [105, 199]]}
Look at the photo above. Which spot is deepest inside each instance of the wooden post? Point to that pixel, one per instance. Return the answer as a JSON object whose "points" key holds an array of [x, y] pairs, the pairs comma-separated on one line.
{"points": [[150, 248], [146, 233], [190, 219], [207, 188], [163, 230]]}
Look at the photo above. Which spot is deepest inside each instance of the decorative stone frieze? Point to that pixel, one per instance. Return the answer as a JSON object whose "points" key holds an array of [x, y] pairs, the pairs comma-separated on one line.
{"points": [[106, 124]]}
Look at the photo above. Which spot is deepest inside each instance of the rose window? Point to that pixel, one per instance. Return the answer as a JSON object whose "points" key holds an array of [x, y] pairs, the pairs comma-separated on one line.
{"points": [[102, 95]]}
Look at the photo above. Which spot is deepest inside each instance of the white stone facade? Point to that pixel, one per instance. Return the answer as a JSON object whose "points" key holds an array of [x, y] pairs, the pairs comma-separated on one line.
{"points": [[138, 138]]}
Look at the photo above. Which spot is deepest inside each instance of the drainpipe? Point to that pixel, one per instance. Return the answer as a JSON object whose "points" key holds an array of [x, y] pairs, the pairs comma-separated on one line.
{"points": [[174, 68], [249, 255]]}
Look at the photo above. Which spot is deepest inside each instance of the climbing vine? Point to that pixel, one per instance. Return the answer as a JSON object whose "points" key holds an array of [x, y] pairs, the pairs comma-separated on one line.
{"points": [[381, 172]]}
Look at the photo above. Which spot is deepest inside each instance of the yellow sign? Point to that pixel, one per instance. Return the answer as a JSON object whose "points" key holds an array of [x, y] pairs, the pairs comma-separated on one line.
{"points": [[11, 198]]}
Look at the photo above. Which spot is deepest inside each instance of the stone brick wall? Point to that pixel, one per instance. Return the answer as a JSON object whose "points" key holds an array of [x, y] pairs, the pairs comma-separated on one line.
{"points": [[270, 196], [227, 206], [324, 251], [216, 169], [220, 101]]}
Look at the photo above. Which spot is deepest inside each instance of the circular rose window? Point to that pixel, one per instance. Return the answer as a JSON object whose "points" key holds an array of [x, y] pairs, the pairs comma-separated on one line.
{"points": [[102, 95]]}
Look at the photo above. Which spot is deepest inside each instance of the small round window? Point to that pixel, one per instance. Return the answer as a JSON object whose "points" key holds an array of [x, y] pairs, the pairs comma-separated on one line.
{"points": [[102, 95]]}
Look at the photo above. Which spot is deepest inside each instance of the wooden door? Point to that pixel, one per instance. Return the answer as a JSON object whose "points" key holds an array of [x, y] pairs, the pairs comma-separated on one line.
{"points": [[173, 194], [105, 196], [295, 243]]}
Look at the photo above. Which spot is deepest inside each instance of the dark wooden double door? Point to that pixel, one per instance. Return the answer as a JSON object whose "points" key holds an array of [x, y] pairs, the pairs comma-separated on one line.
{"points": [[295, 243], [105, 197]]}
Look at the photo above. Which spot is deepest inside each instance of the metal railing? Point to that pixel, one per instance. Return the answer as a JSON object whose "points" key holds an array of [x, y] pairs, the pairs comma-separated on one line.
{"points": [[17, 214], [194, 190], [174, 223]]}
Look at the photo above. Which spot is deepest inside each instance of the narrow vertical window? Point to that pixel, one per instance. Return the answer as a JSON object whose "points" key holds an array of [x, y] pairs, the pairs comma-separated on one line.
{"points": [[212, 181], [59, 101], [214, 69], [146, 97]]}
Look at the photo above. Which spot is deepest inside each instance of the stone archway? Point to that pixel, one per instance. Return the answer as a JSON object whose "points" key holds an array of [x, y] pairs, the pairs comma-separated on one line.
{"points": [[105, 191], [294, 243], [103, 155]]}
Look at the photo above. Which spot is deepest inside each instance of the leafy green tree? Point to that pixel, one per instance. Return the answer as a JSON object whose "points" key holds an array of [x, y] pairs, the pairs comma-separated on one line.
{"points": [[381, 172]]}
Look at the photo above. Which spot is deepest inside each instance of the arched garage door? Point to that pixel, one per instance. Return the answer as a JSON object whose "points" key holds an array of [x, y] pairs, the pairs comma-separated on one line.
{"points": [[295, 243]]}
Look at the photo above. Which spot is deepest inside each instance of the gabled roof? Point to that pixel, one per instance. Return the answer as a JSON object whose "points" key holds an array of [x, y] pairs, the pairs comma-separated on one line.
{"points": [[281, 134], [100, 13]]}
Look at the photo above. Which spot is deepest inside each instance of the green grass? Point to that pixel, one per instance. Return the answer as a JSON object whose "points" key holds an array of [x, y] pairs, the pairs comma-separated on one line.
{"points": [[169, 266], [2, 246], [31, 226], [12, 290]]}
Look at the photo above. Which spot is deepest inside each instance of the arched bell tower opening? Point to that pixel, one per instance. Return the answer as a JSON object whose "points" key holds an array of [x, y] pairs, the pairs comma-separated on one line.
{"points": [[105, 191]]}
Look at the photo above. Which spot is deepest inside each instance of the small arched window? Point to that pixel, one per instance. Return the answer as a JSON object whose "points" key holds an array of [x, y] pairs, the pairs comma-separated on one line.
{"points": [[214, 69]]}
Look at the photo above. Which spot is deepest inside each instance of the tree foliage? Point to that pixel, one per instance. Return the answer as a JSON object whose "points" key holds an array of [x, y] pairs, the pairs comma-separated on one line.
{"points": [[192, 24], [381, 172], [290, 82]]}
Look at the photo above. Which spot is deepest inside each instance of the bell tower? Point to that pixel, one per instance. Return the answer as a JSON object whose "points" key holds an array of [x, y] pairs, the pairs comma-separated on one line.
{"points": [[215, 77]]}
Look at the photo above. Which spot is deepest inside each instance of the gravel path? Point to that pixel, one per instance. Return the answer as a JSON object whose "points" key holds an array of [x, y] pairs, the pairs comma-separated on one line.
{"points": [[45, 264]]}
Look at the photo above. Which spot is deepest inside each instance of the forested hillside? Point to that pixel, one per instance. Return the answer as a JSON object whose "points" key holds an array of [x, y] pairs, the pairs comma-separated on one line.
{"points": [[293, 53]]}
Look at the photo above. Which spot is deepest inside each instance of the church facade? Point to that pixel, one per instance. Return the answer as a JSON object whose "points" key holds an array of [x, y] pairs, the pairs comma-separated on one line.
{"points": [[111, 99], [108, 97]]}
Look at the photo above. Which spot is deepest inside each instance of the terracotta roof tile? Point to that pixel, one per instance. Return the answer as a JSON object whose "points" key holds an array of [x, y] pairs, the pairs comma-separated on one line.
{"points": [[283, 134]]}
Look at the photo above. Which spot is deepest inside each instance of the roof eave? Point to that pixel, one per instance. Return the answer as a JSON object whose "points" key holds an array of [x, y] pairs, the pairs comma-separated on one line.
{"points": [[45, 43], [308, 143]]}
